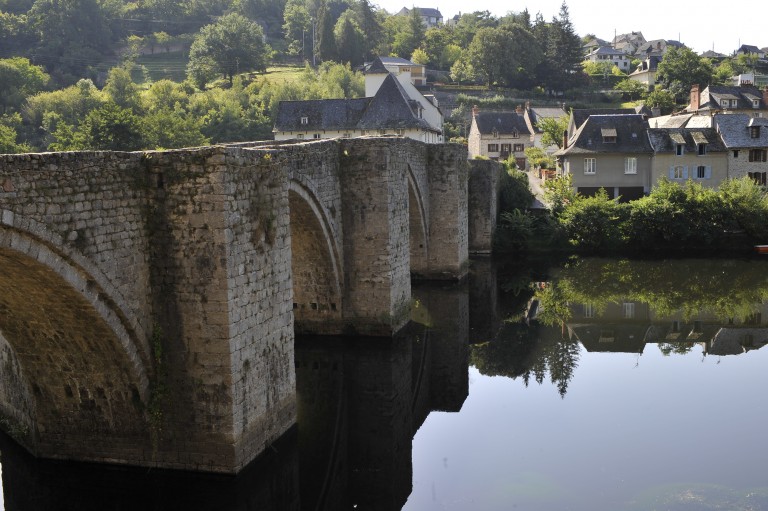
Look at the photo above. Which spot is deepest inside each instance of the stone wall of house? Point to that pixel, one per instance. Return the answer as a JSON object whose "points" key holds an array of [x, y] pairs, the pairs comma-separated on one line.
{"points": [[740, 166], [483, 198]]}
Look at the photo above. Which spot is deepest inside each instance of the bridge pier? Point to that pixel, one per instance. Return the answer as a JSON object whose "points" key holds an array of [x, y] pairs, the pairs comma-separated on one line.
{"points": [[180, 275]]}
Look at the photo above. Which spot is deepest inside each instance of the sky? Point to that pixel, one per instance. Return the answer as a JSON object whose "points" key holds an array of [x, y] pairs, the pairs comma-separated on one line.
{"points": [[709, 26]]}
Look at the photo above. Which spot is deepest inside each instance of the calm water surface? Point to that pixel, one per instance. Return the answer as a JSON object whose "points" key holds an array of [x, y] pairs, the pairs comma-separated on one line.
{"points": [[590, 385]]}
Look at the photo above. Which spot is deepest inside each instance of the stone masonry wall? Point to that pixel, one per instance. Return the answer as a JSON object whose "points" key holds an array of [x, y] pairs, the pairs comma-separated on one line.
{"points": [[483, 191]]}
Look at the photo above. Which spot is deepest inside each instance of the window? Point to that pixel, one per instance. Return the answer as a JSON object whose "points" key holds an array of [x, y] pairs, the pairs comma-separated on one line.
{"points": [[703, 172], [589, 310], [400, 131], [702, 149], [316, 135], [734, 103], [495, 134], [506, 148], [754, 131], [630, 165], [735, 153], [609, 139], [382, 132], [680, 149], [300, 136], [757, 154], [724, 103], [493, 148], [590, 165], [758, 177], [519, 148], [678, 172], [305, 120], [515, 134], [755, 103], [628, 310]]}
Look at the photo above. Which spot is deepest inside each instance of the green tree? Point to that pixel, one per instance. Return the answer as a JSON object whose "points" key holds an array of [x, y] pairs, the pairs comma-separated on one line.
{"points": [[72, 36], [370, 25], [632, 88], [680, 69], [562, 51], [487, 52], [662, 99], [19, 79], [231, 45], [166, 129], [121, 89], [8, 135], [349, 39], [109, 128], [553, 129], [297, 28], [462, 70]]}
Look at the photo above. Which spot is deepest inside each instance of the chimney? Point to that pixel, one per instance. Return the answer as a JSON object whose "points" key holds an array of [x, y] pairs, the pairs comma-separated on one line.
{"points": [[565, 139], [695, 96], [475, 111], [655, 111], [527, 105], [519, 109]]}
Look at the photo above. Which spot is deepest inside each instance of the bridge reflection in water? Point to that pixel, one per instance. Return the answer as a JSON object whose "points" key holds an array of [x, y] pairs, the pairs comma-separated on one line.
{"points": [[361, 400]]}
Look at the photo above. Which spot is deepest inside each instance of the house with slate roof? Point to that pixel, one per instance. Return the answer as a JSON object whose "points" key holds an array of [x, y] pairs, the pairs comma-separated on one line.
{"points": [[611, 152], [391, 111], [430, 17], [580, 115], [403, 69], [720, 98], [746, 140], [684, 153], [645, 72], [499, 135], [618, 58], [535, 114]]}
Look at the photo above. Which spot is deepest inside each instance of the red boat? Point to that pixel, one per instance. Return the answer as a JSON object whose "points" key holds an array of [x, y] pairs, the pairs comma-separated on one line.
{"points": [[761, 249]]}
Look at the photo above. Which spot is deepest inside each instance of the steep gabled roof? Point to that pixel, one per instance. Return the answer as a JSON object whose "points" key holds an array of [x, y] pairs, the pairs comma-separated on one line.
{"points": [[504, 123], [734, 129], [711, 97], [579, 116], [628, 134], [392, 108], [321, 114], [389, 108], [665, 140], [376, 67]]}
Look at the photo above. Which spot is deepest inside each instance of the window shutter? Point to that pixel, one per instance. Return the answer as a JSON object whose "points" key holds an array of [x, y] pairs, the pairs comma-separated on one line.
{"points": [[685, 172], [708, 172], [671, 172]]}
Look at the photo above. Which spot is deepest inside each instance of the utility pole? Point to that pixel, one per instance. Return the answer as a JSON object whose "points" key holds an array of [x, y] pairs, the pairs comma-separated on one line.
{"points": [[314, 64]]}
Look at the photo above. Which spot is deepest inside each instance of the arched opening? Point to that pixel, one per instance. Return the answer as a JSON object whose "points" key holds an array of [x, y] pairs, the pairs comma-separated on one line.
{"points": [[314, 264], [418, 229], [70, 388]]}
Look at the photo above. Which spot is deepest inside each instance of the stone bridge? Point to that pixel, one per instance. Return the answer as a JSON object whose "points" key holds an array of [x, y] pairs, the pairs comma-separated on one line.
{"points": [[148, 300]]}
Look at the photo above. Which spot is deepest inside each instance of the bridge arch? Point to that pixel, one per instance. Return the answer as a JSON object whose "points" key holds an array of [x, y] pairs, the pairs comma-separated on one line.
{"points": [[418, 226], [316, 263], [71, 369]]}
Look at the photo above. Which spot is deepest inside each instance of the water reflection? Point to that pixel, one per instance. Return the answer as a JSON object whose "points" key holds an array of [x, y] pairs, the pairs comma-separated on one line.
{"points": [[369, 437]]}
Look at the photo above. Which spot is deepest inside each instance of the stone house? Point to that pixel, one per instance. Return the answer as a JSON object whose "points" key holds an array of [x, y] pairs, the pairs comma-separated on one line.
{"points": [[628, 42], [533, 115], [611, 152], [580, 115], [746, 141], [499, 135], [680, 154]]}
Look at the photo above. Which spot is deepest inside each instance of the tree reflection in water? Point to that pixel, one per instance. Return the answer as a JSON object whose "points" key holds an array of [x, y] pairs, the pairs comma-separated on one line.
{"points": [[620, 305]]}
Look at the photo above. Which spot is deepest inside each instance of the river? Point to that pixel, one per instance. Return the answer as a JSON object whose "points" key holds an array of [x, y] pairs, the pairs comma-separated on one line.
{"points": [[587, 384]]}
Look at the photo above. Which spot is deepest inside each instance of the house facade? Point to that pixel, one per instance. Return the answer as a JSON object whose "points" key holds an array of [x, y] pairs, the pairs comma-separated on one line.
{"points": [[645, 72], [611, 152], [405, 71], [618, 58], [430, 17], [746, 141], [680, 154], [499, 136]]}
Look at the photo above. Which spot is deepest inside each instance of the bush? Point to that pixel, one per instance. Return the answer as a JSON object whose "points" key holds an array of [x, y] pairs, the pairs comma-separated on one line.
{"points": [[595, 223], [515, 192]]}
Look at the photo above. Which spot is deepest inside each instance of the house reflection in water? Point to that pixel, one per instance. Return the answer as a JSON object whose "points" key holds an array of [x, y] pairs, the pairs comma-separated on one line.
{"points": [[628, 326]]}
